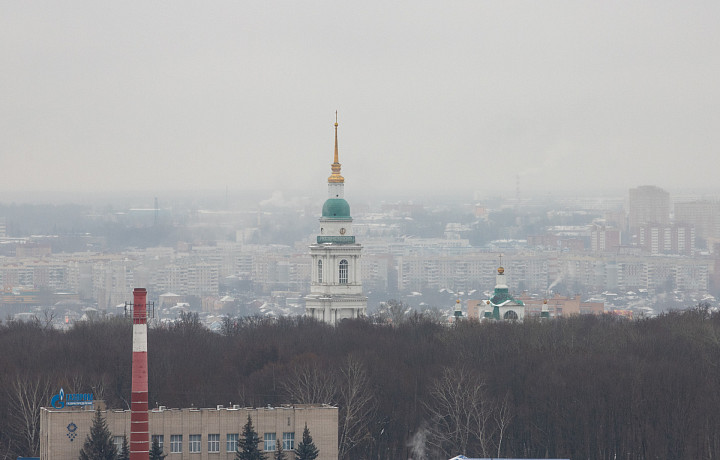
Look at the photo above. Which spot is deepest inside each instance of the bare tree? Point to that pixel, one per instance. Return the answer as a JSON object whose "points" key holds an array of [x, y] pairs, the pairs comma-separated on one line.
{"points": [[99, 390], [503, 417], [393, 311], [433, 314], [357, 404], [75, 383], [188, 323], [459, 413], [230, 326], [308, 383], [45, 318], [6, 449], [27, 395]]}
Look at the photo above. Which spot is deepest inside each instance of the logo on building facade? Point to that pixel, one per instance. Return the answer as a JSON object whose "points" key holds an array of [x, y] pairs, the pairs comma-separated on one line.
{"points": [[71, 434], [60, 400]]}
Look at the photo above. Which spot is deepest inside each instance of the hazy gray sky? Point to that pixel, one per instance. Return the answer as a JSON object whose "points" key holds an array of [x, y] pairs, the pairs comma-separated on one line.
{"points": [[446, 94]]}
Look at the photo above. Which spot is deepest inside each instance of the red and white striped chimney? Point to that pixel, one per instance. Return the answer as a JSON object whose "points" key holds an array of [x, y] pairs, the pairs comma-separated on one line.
{"points": [[139, 429]]}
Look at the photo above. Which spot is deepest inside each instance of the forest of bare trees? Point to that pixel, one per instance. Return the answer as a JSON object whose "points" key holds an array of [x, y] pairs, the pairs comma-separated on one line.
{"points": [[581, 387]]}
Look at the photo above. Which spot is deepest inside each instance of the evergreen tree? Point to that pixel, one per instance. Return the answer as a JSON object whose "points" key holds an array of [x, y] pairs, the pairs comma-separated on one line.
{"points": [[156, 452], [124, 453], [248, 447], [279, 452], [306, 450], [98, 443]]}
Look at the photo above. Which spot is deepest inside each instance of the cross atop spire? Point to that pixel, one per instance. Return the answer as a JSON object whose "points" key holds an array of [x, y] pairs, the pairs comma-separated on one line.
{"points": [[335, 177]]}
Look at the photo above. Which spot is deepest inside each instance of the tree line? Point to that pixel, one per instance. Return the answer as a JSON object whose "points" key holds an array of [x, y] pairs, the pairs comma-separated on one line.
{"points": [[578, 387]]}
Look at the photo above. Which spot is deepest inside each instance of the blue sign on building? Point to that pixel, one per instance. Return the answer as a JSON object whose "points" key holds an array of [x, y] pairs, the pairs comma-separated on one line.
{"points": [[60, 400]]}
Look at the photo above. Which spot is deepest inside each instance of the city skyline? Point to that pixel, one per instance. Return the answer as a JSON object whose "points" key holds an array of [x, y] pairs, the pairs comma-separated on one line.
{"points": [[468, 96]]}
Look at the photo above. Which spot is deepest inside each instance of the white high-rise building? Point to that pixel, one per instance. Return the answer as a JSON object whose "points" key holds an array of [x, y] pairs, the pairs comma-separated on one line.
{"points": [[648, 205], [336, 286]]}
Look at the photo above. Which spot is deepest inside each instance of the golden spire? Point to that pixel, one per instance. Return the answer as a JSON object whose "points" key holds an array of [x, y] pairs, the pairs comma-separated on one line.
{"points": [[336, 144], [335, 177]]}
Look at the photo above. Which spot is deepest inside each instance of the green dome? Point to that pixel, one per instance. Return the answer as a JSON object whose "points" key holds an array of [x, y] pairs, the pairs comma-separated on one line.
{"points": [[336, 208]]}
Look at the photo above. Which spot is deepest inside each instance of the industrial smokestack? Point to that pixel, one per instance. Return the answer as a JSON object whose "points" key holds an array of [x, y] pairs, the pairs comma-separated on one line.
{"points": [[139, 429]]}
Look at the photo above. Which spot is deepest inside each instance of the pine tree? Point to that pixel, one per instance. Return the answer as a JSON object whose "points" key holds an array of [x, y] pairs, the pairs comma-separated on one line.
{"points": [[124, 453], [98, 443], [279, 452], [248, 445], [156, 452], [306, 450]]}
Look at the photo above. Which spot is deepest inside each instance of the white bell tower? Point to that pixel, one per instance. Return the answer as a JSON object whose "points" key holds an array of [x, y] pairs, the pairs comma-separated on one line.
{"points": [[336, 285]]}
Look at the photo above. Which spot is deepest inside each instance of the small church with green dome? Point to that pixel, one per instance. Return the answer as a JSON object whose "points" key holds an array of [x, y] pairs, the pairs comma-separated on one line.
{"points": [[336, 291], [502, 305]]}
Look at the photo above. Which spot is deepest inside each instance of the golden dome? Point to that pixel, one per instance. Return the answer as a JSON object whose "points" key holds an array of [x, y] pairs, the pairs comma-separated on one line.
{"points": [[501, 271]]}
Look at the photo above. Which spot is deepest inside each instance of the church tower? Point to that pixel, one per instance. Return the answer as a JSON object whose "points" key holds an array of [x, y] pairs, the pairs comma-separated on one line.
{"points": [[503, 306], [336, 286]]}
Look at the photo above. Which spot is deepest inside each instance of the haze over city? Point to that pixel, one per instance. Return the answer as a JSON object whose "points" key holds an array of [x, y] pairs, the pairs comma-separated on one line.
{"points": [[465, 95], [341, 231]]}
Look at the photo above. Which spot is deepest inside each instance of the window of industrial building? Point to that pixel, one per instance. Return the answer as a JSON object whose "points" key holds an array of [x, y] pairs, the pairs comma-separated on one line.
{"points": [[343, 271], [118, 442], [160, 440], [213, 443], [175, 443], [320, 273], [231, 444], [269, 442], [194, 444], [288, 441]]}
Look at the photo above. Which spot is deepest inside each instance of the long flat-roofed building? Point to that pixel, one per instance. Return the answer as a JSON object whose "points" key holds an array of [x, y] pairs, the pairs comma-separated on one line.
{"points": [[198, 434]]}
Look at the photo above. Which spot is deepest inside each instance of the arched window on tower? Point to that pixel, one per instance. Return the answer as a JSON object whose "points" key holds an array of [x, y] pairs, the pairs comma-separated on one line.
{"points": [[320, 273], [343, 272]]}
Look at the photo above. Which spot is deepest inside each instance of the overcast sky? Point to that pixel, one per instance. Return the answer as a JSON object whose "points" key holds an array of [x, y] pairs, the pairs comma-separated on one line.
{"points": [[463, 95]]}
